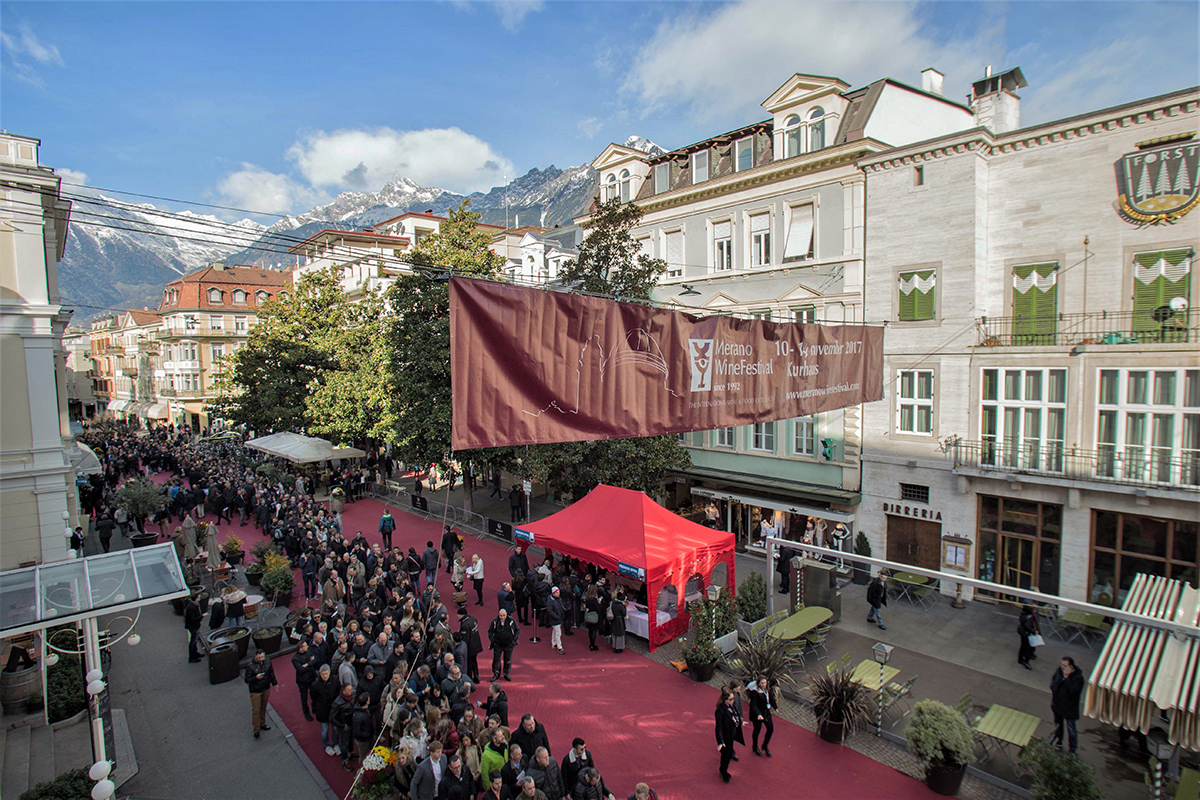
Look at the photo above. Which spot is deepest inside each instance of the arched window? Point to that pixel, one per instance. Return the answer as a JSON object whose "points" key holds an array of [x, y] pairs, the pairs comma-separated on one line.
{"points": [[791, 136], [261, 297], [283, 296], [215, 295], [816, 129], [239, 296], [626, 182], [610, 191]]}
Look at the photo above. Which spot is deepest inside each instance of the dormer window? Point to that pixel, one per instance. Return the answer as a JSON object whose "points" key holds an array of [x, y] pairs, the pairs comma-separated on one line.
{"points": [[662, 177], [283, 296], [239, 296], [626, 183], [261, 297], [744, 154], [700, 166], [816, 129], [791, 136], [215, 295]]}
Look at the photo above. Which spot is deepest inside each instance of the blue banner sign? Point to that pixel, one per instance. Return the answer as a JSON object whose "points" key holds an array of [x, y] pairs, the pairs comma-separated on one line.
{"points": [[631, 571], [523, 535]]}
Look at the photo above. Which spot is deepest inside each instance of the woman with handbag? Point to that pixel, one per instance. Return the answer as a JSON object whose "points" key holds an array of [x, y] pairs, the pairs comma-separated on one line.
{"points": [[616, 616], [1028, 628], [591, 615]]}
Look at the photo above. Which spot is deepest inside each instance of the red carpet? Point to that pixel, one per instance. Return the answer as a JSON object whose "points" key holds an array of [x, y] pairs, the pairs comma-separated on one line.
{"points": [[643, 721]]}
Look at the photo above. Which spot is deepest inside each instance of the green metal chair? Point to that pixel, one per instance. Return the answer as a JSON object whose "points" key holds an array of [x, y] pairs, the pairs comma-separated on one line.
{"points": [[816, 639]]}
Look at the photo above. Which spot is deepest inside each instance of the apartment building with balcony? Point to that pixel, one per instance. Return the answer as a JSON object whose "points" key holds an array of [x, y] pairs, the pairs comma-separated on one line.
{"points": [[768, 220], [369, 260], [37, 481], [534, 254], [206, 315], [133, 350], [81, 400], [1040, 425]]}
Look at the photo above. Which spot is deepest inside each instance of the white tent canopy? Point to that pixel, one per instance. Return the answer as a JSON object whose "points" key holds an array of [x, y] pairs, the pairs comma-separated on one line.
{"points": [[301, 449], [84, 460], [1143, 669]]}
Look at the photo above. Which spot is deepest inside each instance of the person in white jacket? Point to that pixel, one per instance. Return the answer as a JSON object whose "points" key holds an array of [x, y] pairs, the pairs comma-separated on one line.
{"points": [[475, 573]]}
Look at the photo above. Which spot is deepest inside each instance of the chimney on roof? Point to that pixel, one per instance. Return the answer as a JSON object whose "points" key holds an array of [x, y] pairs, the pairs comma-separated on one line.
{"points": [[931, 81], [219, 266], [995, 102], [429, 211]]}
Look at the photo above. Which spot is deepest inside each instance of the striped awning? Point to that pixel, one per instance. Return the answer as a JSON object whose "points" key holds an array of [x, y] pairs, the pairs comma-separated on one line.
{"points": [[1143, 669], [156, 411], [118, 405]]}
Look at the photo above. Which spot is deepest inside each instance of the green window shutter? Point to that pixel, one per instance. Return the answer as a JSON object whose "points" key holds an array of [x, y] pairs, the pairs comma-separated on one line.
{"points": [[1160, 290], [1034, 311], [917, 305]]}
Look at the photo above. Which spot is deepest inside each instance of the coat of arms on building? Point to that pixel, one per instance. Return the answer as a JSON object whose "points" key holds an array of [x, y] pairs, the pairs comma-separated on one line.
{"points": [[1158, 185]]}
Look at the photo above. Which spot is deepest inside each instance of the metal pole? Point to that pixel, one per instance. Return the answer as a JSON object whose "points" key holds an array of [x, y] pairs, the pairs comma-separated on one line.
{"points": [[91, 660], [771, 555], [879, 718], [1158, 772]]}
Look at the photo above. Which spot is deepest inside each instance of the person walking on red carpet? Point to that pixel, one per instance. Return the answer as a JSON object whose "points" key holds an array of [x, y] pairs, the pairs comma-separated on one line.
{"points": [[591, 787], [728, 731], [475, 573], [576, 761], [260, 677], [762, 702], [504, 635], [555, 614]]}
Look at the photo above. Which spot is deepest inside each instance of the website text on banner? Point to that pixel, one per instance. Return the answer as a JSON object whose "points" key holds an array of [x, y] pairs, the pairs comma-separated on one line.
{"points": [[534, 366]]}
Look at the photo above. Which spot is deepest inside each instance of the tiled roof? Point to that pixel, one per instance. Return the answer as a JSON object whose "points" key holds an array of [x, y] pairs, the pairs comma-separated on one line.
{"points": [[193, 288], [142, 316]]}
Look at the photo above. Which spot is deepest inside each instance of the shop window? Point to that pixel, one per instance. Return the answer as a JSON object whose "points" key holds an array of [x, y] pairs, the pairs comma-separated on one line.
{"points": [[1019, 543], [1125, 544]]}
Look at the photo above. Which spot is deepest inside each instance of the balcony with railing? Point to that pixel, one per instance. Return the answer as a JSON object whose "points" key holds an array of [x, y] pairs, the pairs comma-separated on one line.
{"points": [[196, 331], [181, 394], [1156, 467], [1162, 325]]}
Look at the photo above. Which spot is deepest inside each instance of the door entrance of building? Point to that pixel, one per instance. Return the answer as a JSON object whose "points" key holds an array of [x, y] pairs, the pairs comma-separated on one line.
{"points": [[914, 541]]}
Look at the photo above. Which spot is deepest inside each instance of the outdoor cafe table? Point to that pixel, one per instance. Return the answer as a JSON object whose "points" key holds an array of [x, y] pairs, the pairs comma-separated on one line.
{"points": [[1084, 623], [905, 581], [867, 673], [800, 623], [1008, 727]]}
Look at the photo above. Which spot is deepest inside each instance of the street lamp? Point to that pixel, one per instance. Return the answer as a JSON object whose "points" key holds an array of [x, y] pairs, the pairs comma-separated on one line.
{"points": [[882, 653]]}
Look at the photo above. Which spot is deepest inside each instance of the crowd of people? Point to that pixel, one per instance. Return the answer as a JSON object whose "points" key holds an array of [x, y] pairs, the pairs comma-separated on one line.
{"points": [[381, 659]]}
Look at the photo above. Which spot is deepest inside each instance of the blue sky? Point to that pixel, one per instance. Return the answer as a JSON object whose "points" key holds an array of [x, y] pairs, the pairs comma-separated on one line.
{"points": [[280, 106]]}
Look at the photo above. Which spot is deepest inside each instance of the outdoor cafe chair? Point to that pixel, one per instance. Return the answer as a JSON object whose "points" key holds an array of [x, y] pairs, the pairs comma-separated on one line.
{"points": [[817, 638], [831, 668], [845, 659], [900, 693], [926, 596]]}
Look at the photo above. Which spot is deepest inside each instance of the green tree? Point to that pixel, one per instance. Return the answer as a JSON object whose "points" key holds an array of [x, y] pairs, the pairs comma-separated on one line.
{"points": [[610, 261], [418, 333]]}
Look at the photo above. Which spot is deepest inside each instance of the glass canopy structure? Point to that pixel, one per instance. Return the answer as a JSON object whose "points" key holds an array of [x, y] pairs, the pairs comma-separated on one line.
{"points": [[33, 598]]}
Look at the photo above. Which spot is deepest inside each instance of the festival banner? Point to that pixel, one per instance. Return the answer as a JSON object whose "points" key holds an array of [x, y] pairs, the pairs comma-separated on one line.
{"points": [[532, 366]]}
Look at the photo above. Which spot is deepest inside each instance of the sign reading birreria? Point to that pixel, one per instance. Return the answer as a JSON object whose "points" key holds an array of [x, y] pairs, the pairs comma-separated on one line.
{"points": [[532, 366]]}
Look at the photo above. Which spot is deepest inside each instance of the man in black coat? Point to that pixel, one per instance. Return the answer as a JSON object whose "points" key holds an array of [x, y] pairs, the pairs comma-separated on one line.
{"points": [[1065, 688], [260, 677], [192, 616], [450, 546], [104, 529], [518, 564], [429, 560], [576, 761], [324, 691], [546, 774], [877, 599], [496, 704], [468, 629], [503, 635], [305, 663], [531, 735], [457, 781]]}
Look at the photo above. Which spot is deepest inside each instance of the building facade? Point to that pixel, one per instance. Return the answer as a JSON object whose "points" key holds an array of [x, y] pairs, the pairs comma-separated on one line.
{"points": [[134, 347], [534, 254], [206, 316], [81, 400], [768, 220], [1040, 425], [37, 482]]}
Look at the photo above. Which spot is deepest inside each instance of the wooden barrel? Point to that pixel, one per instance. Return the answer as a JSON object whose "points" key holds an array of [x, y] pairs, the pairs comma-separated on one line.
{"points": [[17, 687]]}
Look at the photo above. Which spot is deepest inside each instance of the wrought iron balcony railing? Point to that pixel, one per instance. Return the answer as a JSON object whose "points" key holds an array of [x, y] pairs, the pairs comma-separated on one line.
{"points": [[181, 394], [1160, 467], [1159, 326]]}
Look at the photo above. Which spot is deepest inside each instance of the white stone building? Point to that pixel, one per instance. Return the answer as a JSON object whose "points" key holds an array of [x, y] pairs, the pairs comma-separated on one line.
{"points": [[37, 482], [1040, 425]]}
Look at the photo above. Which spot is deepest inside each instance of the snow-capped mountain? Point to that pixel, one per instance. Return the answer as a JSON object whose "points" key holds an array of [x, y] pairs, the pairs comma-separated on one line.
{"points": [[124, 262]]}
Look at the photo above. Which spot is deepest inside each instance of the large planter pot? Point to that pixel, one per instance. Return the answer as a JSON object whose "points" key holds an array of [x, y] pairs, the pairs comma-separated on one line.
{"points": [[222, 663], [253, 578], [18, 686], [727, 643], [178, 604], [268, 640], [832, 731], [202, 598], [284, 599], [743, 629], [236, 557], [143, 539], [862, 575], [701, 673], [945, 781], [238, 636]]}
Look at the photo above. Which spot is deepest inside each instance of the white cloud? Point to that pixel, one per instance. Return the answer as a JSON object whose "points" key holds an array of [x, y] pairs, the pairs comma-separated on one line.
{"points": [[256, 189], [72, 176], [715, 63], [513, 12], [25, 45], [364, 160], [589, 127]]}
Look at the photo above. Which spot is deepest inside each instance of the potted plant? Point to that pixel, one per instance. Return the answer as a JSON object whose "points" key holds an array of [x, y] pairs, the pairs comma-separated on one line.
{"points": [[841, 705], [941, 740], [278, 584], [254, 571], [238, 635], [1058, 775], [140, 498], [701, 652], [231, 548], [725, 634], [766, 656], [751, 603], [862, 570], [267, 640], [201, 596]]}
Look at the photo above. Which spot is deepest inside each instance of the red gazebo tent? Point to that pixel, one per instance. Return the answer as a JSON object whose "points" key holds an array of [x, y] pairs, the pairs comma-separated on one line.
{"points": [[628, 533]]}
